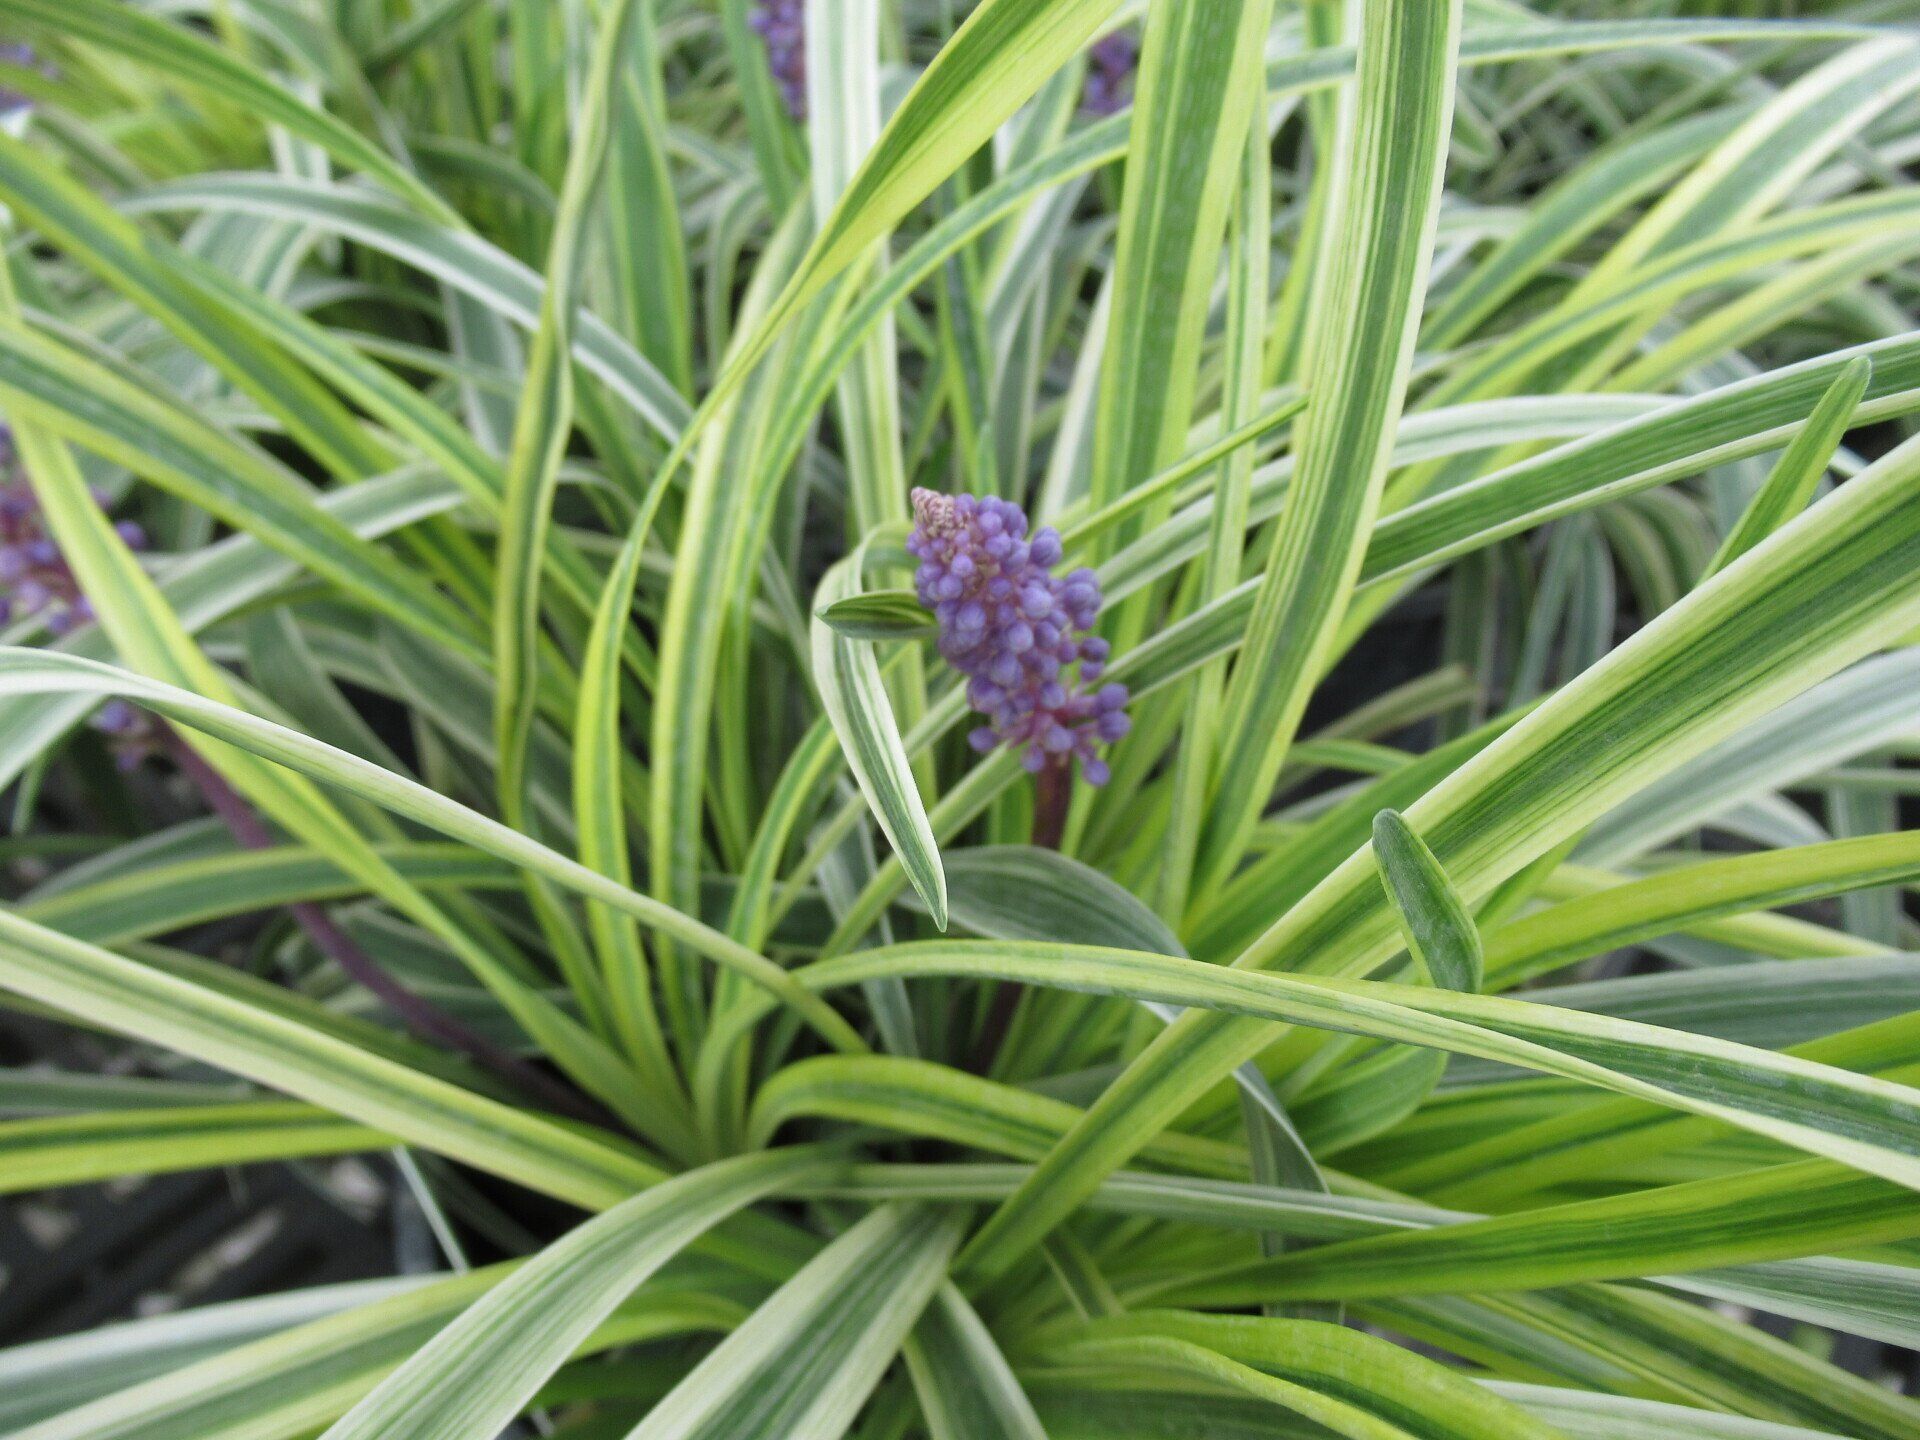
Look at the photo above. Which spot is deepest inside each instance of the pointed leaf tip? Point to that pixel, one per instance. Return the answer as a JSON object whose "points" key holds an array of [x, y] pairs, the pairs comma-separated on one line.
{"points": [[1434, 919]]}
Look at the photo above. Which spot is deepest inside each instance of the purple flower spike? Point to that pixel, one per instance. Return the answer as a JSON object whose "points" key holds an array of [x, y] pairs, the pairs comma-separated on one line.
{"points": [[1012, 627], [35, 579], [1110, 67], [782, 24]]}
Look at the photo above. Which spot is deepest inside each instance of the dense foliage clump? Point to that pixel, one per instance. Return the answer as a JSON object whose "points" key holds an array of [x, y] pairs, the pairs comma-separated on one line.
{"points": [[940, 723]]}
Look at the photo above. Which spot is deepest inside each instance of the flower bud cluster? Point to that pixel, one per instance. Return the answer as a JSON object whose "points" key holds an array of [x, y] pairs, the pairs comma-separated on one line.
{"points": [[1015, 630], [782, 24], [1110, 67]]}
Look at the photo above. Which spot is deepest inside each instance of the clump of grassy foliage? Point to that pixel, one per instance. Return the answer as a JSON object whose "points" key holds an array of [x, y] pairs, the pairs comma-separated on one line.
{"points": [[464, 448]]}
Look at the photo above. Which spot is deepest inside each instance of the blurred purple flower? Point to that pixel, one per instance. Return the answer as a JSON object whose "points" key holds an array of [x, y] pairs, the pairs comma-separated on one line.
{"points": [[21, 54], [1110, 67], [782, 24], [1014, 629], [35, 580], [133, 735]]}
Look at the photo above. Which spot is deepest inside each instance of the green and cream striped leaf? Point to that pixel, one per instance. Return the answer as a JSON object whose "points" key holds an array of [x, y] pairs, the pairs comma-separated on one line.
{"points": [[1868, 1123], [879, 615], [1626, 914], [293, 1383], [544, 419], [1399, 1392], [1748, 417], [1439, 930], [855, 698], [47, 1153], [919, 1097], [1771, 1214], [602, 827], [1388, 163], [222, 1030], [479, 1373], [1197, 90], [966, 1389], [48, 1377], [1586, 1415], [1834, 722], [802, 1364]]}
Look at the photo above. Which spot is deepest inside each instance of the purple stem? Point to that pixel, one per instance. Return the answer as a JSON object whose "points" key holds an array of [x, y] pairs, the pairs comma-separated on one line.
{"points": [[421, 1016], [1052, 789]]}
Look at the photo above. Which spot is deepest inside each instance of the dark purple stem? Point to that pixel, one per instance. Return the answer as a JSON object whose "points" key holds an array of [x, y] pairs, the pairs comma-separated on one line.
{"points": [[421, 1016], [1052, 789]]}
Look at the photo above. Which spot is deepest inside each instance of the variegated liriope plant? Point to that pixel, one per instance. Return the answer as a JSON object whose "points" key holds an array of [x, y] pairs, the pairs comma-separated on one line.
{"points": [[1446, 468]]}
